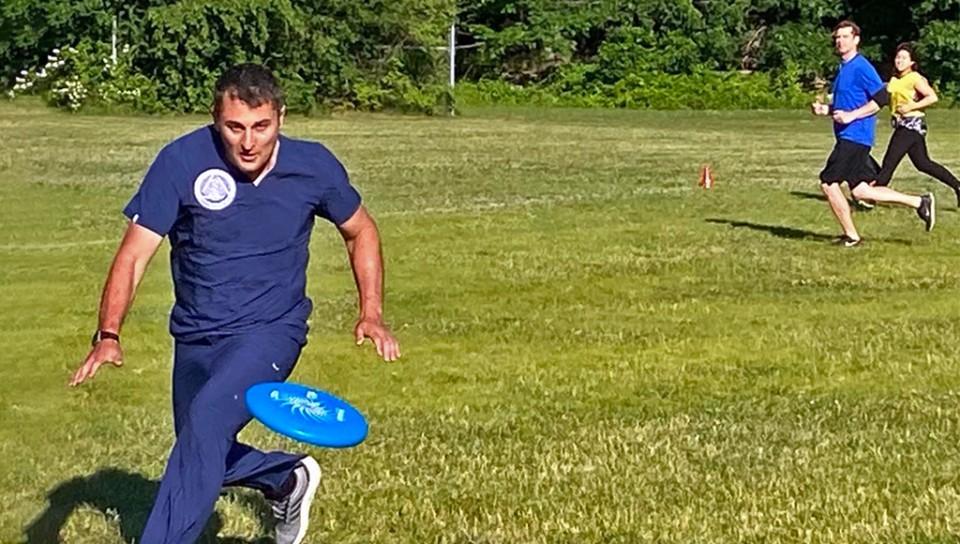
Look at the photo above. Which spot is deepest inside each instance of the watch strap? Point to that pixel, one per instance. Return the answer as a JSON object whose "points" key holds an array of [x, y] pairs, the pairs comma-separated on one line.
{"points": [[101, 335]]}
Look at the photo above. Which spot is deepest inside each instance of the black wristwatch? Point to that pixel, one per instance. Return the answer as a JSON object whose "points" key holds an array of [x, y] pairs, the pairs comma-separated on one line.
{"points": [[104, 335]]}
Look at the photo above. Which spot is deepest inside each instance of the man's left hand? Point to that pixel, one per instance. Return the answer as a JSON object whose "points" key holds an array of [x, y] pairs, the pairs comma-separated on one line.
{"points": [[376, 330], [843, 117]]}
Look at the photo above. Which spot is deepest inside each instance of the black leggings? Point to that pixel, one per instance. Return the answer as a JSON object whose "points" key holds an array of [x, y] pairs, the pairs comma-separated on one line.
{"points": [[905, 141]]}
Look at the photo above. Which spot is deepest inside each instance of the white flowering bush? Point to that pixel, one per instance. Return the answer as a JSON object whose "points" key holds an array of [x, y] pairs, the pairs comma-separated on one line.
{"points": [[28, 81], [78, 77]]}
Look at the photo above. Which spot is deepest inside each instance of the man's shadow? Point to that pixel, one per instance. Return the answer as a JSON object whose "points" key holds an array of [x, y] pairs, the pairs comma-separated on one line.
{"points": [[129, 497], [776, 230], [809, 196], [792, 233]]}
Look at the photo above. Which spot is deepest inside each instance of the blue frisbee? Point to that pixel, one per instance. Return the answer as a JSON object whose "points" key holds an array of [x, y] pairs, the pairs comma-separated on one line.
{"points": [[306, 414]]}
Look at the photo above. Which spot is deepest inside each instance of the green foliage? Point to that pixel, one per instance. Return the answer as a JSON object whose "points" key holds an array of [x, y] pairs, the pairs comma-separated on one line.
{"points": [[939, 53], [30, 29], [380, 54], [707, 90], [397, 91], [803, 45], [188, 44], [397, 57], [85, 76], [492, 91], [609, 42], [325, 53], [653, 90], [627, 50]]}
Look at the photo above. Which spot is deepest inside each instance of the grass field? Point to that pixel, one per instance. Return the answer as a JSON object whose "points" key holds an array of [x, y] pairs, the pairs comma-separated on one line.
{"points": [[594, 349]]}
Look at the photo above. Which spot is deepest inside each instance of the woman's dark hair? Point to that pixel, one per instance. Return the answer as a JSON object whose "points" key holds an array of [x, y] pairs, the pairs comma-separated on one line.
{"points": [[908, 47]]}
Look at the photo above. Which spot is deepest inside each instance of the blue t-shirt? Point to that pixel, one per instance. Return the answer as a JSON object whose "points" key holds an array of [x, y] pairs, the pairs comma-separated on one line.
{"points": [[239, 251], [856, 83]]}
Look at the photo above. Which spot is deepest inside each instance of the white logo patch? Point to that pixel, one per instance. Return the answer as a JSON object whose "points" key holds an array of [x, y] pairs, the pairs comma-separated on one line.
{"points": [[214, 189]]}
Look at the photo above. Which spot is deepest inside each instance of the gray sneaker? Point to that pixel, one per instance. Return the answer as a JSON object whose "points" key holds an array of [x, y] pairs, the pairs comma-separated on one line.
{"points": [[927, 212], [293, 512]]}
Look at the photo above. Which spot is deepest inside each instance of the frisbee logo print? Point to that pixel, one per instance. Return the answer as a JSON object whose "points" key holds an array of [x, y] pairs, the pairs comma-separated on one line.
{"points": [[214, 189], [306, 407]]}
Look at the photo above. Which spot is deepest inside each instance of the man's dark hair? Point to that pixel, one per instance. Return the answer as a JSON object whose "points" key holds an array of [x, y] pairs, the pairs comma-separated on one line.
{"points": [[254, 84], [846, 23], [908, 47]]}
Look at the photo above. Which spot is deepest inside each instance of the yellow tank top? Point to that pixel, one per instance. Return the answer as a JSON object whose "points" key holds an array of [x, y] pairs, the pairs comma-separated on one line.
{"points": [[903, 91]]}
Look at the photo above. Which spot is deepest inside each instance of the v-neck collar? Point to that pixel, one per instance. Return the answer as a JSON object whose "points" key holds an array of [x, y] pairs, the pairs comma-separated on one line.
{"points": [[237, 173], [270, 164]]}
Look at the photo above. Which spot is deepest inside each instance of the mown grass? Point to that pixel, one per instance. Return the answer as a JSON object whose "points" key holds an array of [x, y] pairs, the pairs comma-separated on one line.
{"points": [[594, 349]]}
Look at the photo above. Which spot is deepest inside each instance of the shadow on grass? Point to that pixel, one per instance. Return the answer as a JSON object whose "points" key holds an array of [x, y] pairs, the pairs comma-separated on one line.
{"points": [[776, 230], [809, 196], [126, 497], [796, 234]]}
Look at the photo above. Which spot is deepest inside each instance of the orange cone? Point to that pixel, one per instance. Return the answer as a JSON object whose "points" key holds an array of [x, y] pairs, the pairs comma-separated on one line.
{"points": [[706, 177]]}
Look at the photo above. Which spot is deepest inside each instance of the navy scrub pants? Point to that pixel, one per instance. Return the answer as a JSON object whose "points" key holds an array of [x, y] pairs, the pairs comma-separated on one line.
{"points": [[210, 378]]}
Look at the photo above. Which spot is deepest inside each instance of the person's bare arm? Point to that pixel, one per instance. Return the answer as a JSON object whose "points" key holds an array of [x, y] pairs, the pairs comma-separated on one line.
{"points": [[878, 99], [929, 98], [362, 239], [137, 248], [847, 117]]}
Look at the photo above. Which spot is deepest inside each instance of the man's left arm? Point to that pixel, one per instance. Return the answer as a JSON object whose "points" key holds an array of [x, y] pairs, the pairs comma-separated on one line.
{"points": [[879, 97], [362, 239], [866, 110]]}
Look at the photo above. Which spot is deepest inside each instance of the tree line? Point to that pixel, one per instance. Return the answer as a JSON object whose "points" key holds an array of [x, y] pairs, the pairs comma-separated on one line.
{"points": [[390, 54]]}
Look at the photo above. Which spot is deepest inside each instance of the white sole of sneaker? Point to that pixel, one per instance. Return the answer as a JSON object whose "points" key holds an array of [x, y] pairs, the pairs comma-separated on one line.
{"points": [[313, 472], [933, 213]]}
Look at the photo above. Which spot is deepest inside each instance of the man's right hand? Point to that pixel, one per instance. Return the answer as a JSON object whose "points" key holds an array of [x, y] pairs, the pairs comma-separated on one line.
{"points": [[106, 351], [138, 246], [819, 108]]}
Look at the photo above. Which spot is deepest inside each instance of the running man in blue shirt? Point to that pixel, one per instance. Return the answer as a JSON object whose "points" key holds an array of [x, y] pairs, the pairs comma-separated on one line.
{"points": [[858, 94], [237, 201]]}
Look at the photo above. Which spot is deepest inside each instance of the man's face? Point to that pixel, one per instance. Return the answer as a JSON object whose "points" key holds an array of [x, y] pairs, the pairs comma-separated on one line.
{"points": [[845, 41], [248, 134]]}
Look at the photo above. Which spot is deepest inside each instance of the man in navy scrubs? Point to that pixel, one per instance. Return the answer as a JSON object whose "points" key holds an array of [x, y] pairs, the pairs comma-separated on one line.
{"points": [[238, 202]]}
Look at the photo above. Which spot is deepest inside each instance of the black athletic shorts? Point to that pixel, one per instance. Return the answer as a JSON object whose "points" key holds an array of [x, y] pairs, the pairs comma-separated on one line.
{"points": [[850, 162]]}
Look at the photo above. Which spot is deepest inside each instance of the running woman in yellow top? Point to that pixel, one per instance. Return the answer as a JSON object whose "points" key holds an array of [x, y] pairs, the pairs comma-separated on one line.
{"points": [[910, 94]]}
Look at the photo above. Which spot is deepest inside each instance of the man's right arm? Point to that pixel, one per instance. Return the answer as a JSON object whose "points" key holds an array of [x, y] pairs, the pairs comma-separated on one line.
{"points": [[821, 106], [137, 248]]}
